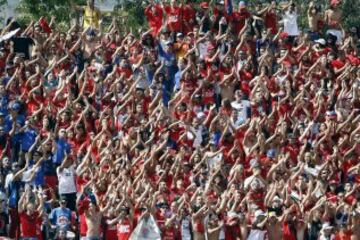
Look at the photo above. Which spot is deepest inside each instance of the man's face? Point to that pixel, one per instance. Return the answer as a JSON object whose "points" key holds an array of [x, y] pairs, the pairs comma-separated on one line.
{"points": [[15, 167], [30, 208], [62, 133], [63, 204], [36, 156], [162, 186], [37, 30]]}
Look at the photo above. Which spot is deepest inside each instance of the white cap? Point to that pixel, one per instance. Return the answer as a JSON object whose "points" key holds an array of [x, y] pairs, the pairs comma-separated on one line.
{"points": [[259, 213], [277, 199], [242, 4], [232, 214], [321, 41], [326, 226]]}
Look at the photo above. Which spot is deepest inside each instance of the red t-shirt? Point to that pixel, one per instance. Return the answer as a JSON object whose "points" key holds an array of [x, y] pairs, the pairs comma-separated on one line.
{"points": [[287, 234], [189, 18], [270, 22], [154, 17], [124, 230], [173, 20], [238, 20], [27, 224]]}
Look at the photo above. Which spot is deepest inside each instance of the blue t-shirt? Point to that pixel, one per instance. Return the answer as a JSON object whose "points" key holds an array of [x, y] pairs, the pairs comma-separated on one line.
{"points": [[62, 147], [49, 166], [20, 119], [168, 57], [61, 217], [13, 190], [4, 102], [39, 176], [28, 139]]}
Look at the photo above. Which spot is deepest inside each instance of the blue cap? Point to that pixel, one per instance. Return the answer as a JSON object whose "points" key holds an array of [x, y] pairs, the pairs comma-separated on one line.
{"points": [[271, 153], [90, 32], [15, 106]]}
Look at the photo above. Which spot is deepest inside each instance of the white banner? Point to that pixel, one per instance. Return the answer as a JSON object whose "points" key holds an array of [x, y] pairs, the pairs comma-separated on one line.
{"points": [[146, 229]]}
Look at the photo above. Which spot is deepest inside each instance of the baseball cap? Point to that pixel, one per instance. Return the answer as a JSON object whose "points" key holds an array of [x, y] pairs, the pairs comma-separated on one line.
{"points": [[331, 114], [15, 106], [334, 3], [211, 47], [62, 199], [212, 142], [284, 35], [179, 34], [277, 199], [326, 226], [204, 5], [164, 30], [271, 153], [321, 41], [90, 32], [259, 213], [254, 163], [242, 5], [168, 43]]}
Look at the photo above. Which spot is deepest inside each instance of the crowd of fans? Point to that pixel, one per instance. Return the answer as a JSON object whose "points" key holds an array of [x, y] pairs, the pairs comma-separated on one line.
{"points": [[215, 122]]}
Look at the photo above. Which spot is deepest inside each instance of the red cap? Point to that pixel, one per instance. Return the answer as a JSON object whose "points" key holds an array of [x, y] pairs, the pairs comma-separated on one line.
{"points": [[204, 5], [334, 3], [284, 35], [333, 181], [210, 47], [44, 25]]}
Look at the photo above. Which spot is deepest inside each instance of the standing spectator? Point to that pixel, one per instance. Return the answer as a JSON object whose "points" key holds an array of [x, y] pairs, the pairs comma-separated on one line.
{"points": [[92, 14], [67, 186], [290, 18], [30, 216], [333, 19], [61, 218]]}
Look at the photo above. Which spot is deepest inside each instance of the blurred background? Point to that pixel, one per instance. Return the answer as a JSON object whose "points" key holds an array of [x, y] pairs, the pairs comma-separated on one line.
{"points": [[130, 13]]}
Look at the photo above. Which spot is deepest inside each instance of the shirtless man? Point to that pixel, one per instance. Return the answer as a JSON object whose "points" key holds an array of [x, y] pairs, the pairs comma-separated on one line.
{"points": [[313, 20], [273, 227], [333, 17], [214, 227], [355, 227], [93, 216]]}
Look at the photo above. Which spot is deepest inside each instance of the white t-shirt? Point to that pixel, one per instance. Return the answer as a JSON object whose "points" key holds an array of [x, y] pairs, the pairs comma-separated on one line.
{"points": [[290, 23], [185, 228], [66, 180], [212, 161], [198, 136], [203, 49], [242, 108]]}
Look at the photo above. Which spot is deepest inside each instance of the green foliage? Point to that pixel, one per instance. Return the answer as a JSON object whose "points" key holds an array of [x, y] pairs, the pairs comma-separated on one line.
{"points": [[34, 9], [351, 10], [2, 5], [131, 15]]}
